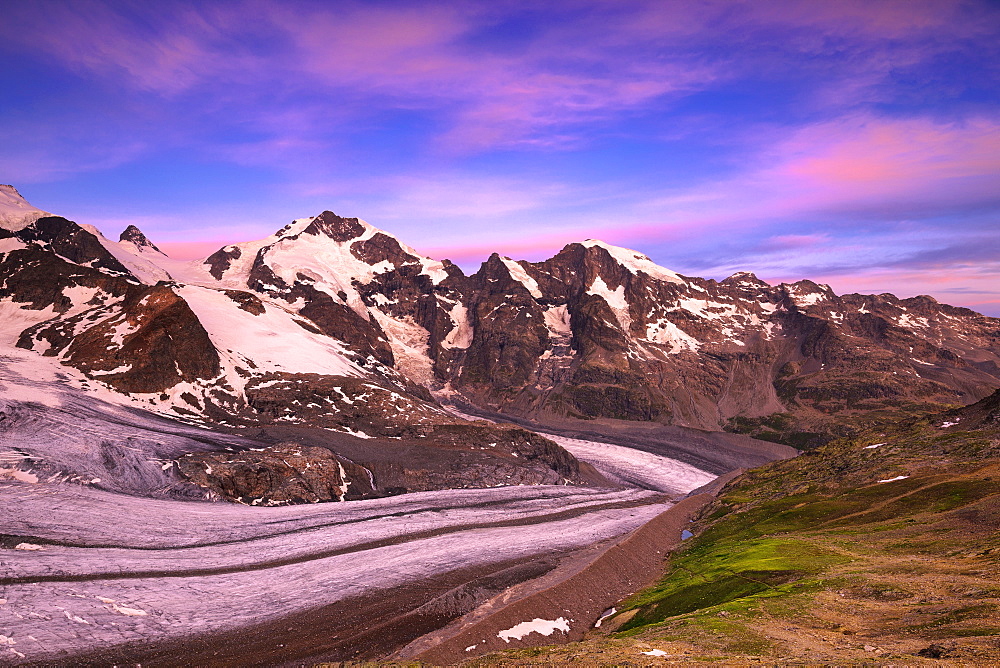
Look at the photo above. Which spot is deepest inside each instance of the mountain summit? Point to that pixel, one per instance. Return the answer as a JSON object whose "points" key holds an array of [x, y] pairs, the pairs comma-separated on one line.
{"points": [[15, 211], [134, 236]]}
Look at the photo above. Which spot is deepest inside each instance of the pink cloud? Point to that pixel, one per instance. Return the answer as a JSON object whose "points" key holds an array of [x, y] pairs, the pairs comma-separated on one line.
{"points": [[791, 241], [856, 163], [890, 157], [416, 56]]}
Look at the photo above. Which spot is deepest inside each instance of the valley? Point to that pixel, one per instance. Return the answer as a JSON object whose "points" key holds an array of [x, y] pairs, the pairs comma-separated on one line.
{"points": [[325, 446]]}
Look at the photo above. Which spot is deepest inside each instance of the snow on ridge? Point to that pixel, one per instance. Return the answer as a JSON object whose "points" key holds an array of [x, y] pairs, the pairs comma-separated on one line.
{"points": [[636, 262], [518, 273], [15, 211], [804, 297]]}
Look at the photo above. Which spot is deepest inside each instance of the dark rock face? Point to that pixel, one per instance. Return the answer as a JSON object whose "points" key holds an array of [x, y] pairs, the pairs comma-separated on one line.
{"points": [[162, 344], [148, 342], [276, 476], [72, 242], [335, 227], [219, 261], [134, 235], [247, 301]]}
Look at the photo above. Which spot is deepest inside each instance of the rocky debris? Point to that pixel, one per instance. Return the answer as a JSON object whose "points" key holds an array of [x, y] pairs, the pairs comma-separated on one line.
{"points": [[935, 651], [982, 414], [340, 403], [280, 475], [247, 301]]}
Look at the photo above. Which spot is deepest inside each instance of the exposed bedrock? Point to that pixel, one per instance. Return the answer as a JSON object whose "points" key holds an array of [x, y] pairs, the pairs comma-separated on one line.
{"points": [[284, 474], [459, 456]]}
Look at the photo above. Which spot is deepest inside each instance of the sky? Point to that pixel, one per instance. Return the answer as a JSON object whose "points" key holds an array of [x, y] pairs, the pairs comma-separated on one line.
{"points": [[851, 142]]}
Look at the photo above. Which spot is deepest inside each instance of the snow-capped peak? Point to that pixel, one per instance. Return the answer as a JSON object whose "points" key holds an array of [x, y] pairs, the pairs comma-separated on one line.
{"points": [[15, 212], [635, 261], [134, 236]]}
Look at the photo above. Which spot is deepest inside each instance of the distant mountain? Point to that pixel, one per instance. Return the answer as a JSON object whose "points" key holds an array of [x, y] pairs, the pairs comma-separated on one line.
{"points": [[594, 335]]}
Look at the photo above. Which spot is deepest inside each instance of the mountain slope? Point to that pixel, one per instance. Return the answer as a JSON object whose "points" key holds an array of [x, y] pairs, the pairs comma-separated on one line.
{"points": [[881, 548]]}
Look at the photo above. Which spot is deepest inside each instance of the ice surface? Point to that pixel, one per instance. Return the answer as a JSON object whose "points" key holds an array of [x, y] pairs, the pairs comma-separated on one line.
{"points": [[635, 467]]}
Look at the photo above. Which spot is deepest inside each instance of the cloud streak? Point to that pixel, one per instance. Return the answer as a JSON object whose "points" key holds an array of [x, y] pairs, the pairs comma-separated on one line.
{"points": [[784, 136]]}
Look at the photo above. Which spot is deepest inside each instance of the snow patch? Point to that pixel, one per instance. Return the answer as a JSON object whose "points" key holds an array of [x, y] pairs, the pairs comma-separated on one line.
{"points": [[272, 340], [18, 474], [899, 477], [615, 299], [543, 626], [665, 332], [461, 334], [604, 615], [11, 244]]}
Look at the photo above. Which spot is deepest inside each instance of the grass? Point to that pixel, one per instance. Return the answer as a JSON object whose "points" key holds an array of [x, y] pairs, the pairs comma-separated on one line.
{"points": [[813, 557]]}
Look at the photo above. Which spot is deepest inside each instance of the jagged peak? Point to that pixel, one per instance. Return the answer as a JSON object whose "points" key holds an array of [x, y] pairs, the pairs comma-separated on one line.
{"points": [[338, 228], [745, 278], [16, 213], [635, 261], [134, 236]]}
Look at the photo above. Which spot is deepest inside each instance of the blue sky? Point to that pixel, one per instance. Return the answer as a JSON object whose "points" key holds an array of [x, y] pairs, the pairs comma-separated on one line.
{"points": [[854, 142]]}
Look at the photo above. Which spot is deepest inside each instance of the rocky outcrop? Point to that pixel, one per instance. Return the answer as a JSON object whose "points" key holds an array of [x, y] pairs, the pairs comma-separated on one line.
{"points": [[345, 404], [276, 476]]}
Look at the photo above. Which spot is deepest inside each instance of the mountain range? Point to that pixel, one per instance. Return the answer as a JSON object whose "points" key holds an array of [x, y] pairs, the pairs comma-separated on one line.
{"points": [[593, 335], [333, 362]]}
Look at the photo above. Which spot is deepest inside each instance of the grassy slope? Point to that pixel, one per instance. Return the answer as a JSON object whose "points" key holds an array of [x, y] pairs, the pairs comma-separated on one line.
{"points": [[814, 560]]}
